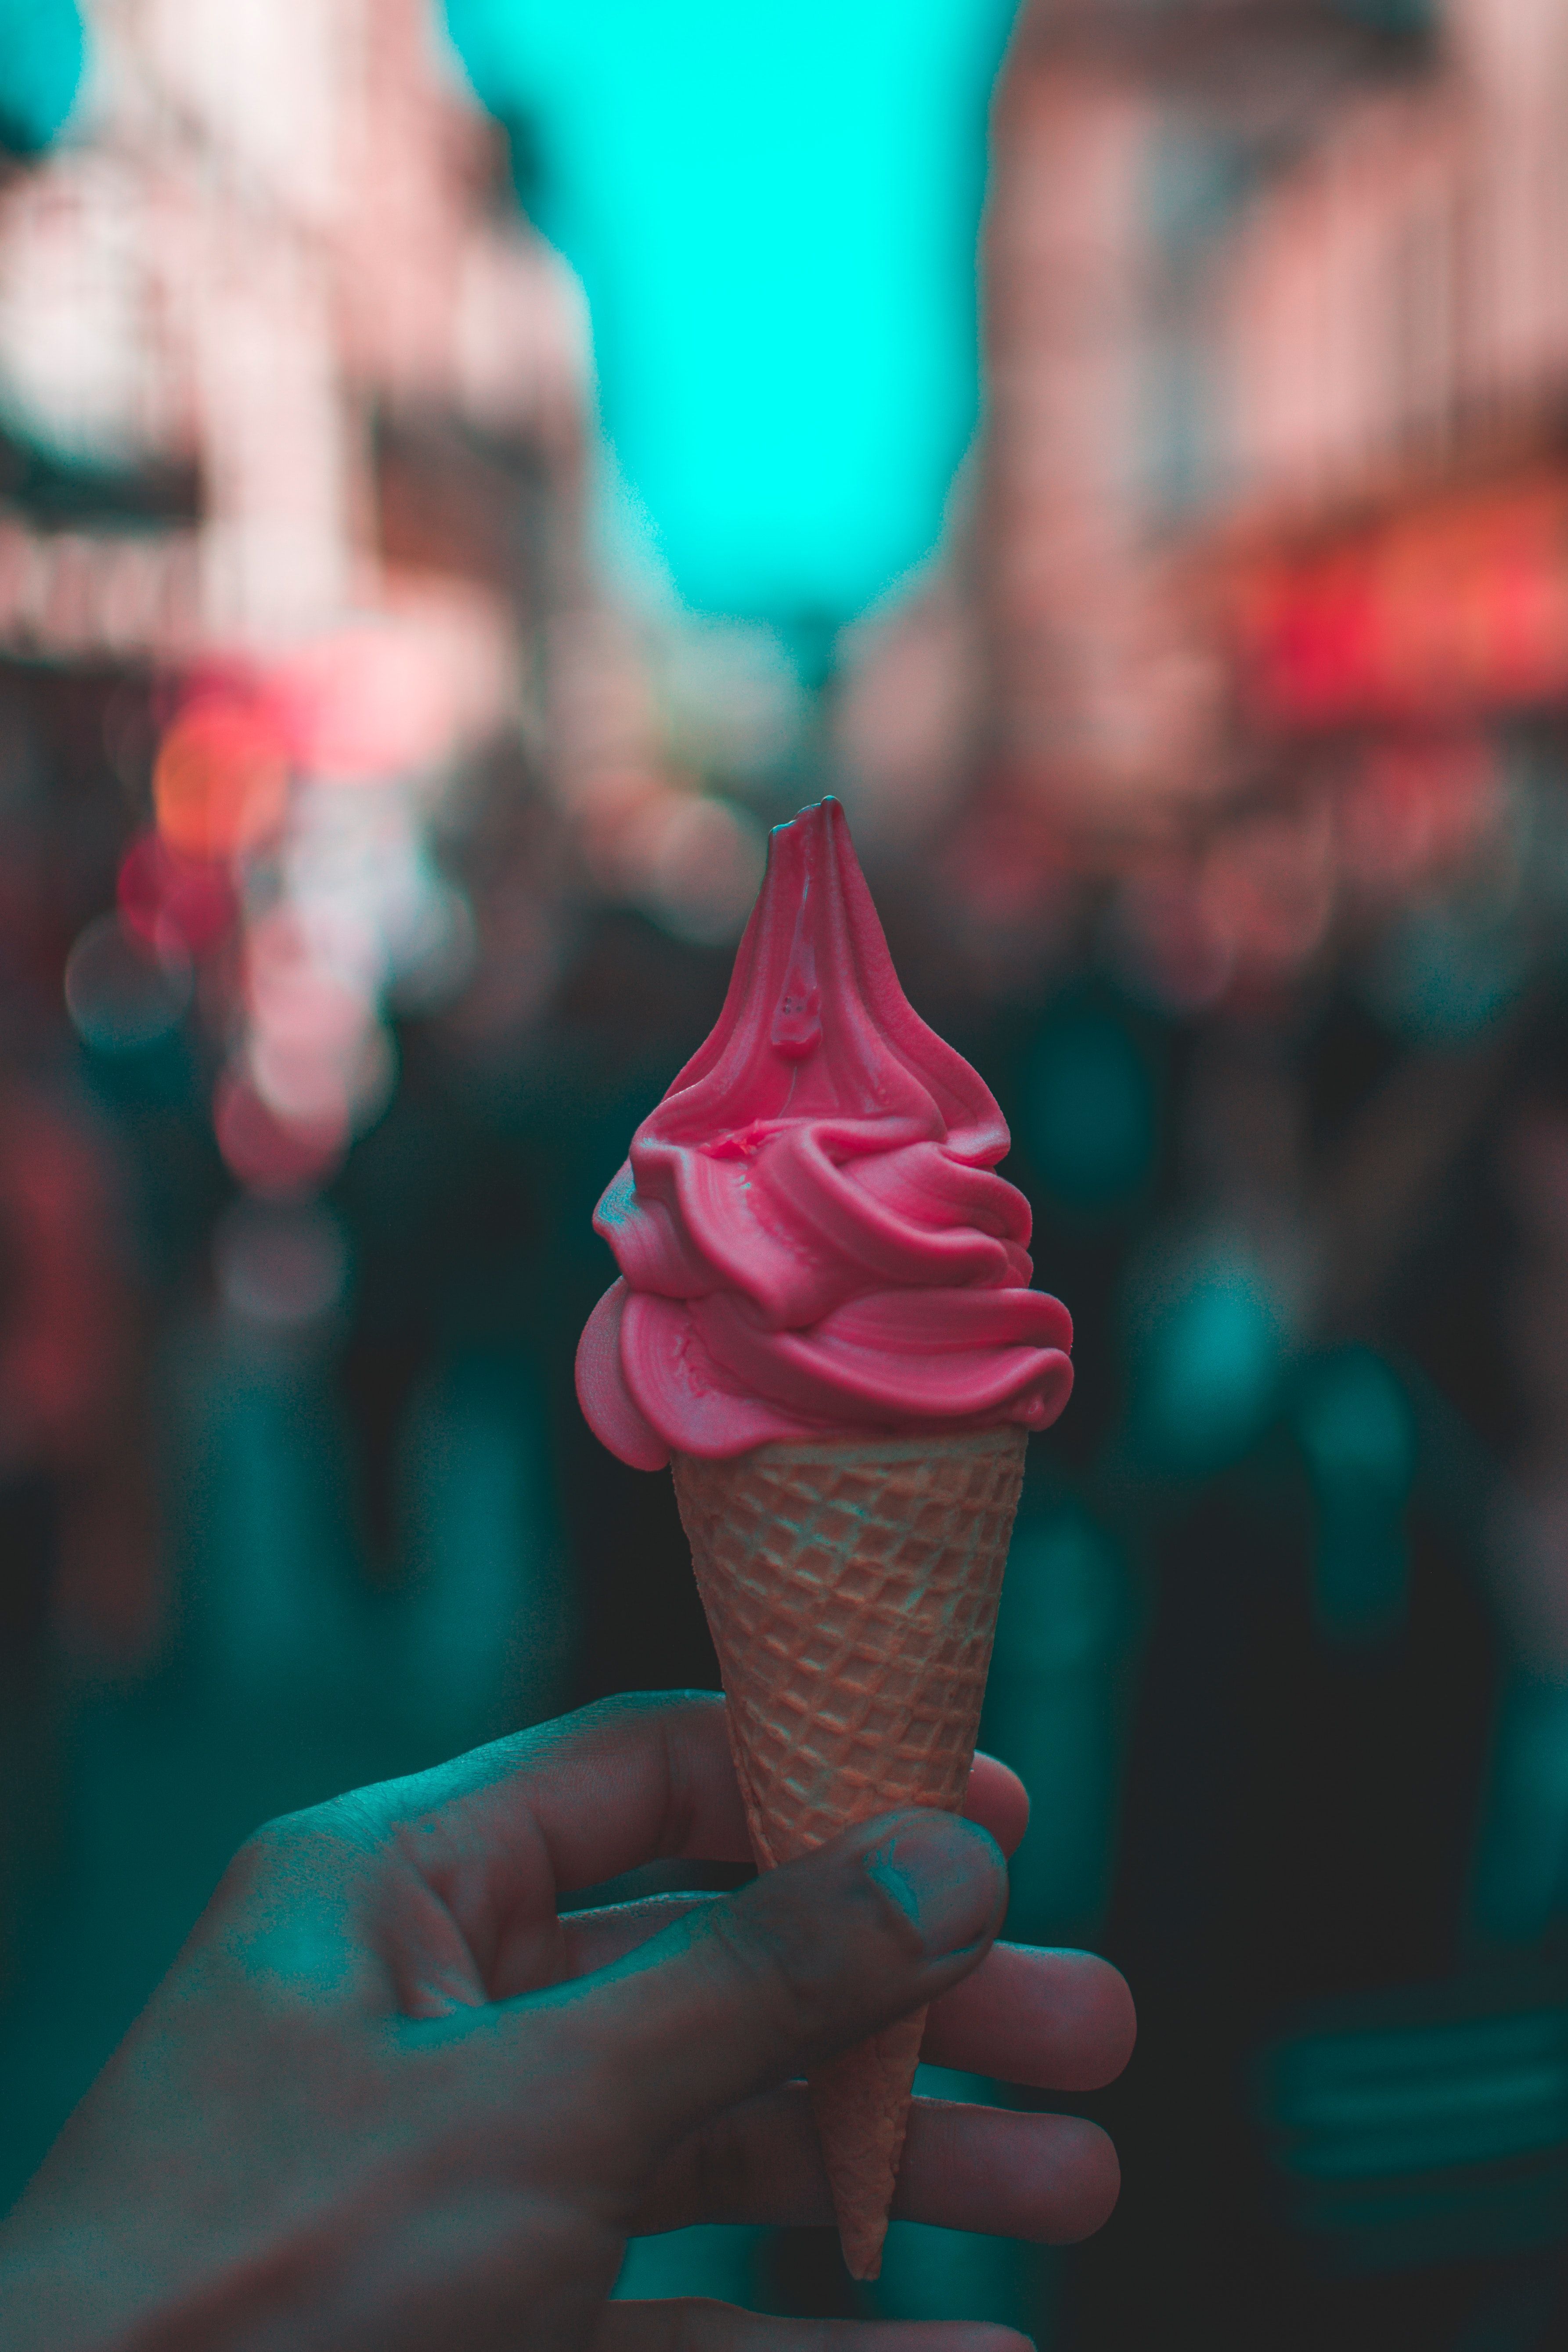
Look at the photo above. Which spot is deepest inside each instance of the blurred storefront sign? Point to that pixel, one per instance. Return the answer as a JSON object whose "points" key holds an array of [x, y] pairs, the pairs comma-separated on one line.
{"points": [[1421, 2125], [68, 596], [1457, 607]]}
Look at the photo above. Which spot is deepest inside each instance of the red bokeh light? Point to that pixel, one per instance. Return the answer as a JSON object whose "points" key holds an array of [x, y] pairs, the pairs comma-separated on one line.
{"points": [[166, 899], [369, 700], [273, 1156], [1418, 807]]}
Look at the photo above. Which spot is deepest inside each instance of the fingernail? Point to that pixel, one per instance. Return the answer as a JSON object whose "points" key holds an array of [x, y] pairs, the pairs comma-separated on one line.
{"points": [[943, 1873]]}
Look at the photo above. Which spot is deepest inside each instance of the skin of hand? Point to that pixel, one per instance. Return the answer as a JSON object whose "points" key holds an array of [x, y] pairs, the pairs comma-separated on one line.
{"points": [[389, 2097]]}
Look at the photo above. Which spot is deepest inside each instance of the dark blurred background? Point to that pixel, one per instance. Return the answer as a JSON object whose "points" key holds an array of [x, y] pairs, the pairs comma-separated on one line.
{"points": [[459, 483]]}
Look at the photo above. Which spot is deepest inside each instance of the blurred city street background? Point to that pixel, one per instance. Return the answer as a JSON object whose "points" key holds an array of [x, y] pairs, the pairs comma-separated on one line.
{"points": [[462, 478]]}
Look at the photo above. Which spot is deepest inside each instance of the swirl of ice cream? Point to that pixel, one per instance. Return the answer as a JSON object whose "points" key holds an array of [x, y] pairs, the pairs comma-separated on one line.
{"points": [[811, 1237]]}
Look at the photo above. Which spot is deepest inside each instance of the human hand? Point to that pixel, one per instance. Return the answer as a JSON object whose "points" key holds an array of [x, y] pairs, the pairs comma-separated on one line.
{"points": [[389, 2097]]}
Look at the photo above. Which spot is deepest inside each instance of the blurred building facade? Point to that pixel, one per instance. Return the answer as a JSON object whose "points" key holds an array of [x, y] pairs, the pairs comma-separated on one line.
{"points": [[268, 254], [293, 406], [291, 411], [1279, 349]]}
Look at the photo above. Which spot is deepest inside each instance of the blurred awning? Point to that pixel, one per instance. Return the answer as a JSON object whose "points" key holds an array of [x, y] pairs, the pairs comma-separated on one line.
{"points": [[1266, 67], [1452, 608]]}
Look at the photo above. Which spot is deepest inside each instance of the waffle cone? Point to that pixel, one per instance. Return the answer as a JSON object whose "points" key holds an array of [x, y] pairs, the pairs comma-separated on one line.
{"points": [[851, 1590]]}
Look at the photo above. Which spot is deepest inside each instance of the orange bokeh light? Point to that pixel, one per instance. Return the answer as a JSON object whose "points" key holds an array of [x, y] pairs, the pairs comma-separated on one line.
{"points": [[221, 780]]}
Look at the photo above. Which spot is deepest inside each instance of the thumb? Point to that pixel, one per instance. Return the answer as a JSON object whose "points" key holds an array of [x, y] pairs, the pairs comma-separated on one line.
{"points": [[803, 1961]]}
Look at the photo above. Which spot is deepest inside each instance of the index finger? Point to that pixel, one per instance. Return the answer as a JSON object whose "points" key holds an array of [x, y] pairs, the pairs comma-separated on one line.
{"points": [[644, 1778], [499, 1835], [627, 1780]]}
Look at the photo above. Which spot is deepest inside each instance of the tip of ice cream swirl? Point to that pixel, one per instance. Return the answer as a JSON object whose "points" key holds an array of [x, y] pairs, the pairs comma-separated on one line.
{"points": [[811, 1237]]}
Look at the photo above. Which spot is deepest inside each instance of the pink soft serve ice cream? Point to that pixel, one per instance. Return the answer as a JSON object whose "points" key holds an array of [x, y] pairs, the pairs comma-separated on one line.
{"points": [[811, 1237]]}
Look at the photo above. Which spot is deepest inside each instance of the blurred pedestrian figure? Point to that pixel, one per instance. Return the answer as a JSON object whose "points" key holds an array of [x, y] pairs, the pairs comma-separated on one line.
{"points": [[75, 1523]]}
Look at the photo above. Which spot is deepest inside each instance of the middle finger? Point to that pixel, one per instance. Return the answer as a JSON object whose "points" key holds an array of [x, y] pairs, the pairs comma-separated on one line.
{"points": [[1047, 2178]]}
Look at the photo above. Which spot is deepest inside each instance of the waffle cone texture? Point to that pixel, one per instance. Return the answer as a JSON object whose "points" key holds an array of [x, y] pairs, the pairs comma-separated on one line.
{"points": [[851, 1589]]}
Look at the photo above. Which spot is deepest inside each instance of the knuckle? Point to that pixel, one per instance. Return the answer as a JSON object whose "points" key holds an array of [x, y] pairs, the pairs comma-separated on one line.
{"points": [[280, 1923], [295, 1850], [261, 1861]]}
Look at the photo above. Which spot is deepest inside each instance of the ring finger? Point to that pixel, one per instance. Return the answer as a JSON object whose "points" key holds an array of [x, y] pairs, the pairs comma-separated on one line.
{"points": [[1047, 2178]]}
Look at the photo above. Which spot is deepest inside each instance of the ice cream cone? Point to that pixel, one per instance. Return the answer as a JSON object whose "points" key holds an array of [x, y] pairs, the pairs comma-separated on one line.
{"points": [[851, 1587]]}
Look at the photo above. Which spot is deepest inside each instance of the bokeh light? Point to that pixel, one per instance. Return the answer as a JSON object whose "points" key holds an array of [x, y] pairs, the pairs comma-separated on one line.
{"points": [[1358, 1434], [220, 783], [1092, 1109], [122, 995], [42, 51], [1210, 1357], [281, 1267], [165, 898], [275, 1156]]}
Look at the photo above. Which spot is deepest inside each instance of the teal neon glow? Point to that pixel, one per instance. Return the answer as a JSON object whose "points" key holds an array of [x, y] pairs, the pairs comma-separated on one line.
{"points": [[1209, 1361], [1092, 1113], [1357, 1434], [42, 49], [773, 211]]}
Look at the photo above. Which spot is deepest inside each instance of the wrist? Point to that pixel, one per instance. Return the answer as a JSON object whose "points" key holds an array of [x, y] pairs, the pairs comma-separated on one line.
{"points": [[73, 2287], [54, 2292]]}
